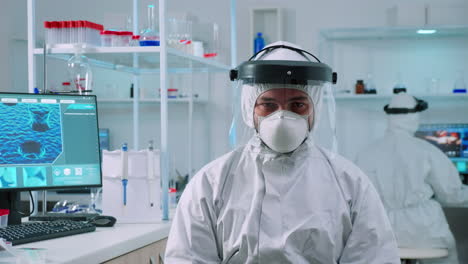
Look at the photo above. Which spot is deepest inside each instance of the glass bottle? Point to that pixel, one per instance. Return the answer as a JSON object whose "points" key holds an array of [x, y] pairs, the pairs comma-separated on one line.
{"points": [[150, 36], [359, 87], [460, 85], [80, 74], [399, 85], [369, 85]]}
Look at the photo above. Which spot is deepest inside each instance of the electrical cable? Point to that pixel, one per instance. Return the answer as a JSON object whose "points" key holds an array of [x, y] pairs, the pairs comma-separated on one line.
{"points": [[32, 211]]}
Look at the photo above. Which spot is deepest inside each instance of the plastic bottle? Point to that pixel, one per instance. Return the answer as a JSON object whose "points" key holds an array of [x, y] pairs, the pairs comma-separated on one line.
{"points": [[80, 74], [150, 36], [259, 43]]}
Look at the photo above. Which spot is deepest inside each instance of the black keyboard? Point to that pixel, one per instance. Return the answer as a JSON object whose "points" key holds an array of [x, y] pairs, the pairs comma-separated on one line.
{"points": [[32, 232]]}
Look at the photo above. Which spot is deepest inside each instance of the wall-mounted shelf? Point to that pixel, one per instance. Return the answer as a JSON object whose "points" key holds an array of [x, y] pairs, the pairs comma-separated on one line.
{"points": [[121, 59], [354, 97], [393, 33], [149, 101]]}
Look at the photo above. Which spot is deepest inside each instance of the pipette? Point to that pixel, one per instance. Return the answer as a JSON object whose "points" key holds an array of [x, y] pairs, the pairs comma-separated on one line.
{"points": [[124, 162], [151, 178]]}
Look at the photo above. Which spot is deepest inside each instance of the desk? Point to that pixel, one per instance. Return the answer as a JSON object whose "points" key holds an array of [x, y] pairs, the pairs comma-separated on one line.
{"points": [[106, 244], [409, 255]]}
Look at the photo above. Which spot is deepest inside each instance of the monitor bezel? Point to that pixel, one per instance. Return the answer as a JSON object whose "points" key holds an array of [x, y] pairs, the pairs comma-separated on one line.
{"points": [[22, 189]]}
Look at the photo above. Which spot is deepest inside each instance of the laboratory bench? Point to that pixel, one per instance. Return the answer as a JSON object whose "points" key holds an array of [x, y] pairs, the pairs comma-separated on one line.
{"points": [[122, 243]]}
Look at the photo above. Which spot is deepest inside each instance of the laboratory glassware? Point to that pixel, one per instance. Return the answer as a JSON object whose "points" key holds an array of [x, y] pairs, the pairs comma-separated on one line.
{"points": [[212, 47], [460, 85], [369, 85], [150, 36], [359, 87], [80, 73]]}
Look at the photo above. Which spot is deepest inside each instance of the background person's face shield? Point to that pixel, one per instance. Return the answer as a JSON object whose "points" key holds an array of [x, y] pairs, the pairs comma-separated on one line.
{"points": [[261, 97]]}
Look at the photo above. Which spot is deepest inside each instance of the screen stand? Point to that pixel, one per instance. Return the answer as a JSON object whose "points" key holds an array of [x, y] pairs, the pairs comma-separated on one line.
{"points": [[11, 200]]}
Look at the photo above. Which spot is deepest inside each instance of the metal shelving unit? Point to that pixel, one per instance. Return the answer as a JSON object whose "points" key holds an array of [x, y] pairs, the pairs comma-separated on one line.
{"points": [[155, 101], [139, 61], [378, 97]]}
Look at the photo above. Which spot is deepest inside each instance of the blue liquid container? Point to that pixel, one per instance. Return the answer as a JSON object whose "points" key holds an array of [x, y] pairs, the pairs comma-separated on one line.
{"points": [[149, 43], [259, 43]]}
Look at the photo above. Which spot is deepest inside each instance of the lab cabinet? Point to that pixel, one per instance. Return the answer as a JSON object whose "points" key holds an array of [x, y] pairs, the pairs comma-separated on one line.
{"points": [[137, 62], [149, 254]]}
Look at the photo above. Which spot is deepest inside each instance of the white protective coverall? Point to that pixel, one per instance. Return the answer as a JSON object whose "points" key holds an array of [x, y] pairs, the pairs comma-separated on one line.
{"points": [[255, 205], [412, 177]]}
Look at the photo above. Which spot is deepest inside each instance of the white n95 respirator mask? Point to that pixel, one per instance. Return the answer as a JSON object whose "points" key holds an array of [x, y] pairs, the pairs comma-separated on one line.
{"points": [[283, 131]]}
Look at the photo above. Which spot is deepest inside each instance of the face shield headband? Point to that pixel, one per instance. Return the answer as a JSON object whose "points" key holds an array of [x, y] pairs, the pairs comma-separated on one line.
{"points": [[421, 105], [282, 71]]}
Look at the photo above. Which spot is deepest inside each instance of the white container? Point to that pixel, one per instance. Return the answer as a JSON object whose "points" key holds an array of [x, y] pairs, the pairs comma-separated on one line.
{"points": [[4, 217], [125, 38], [197, 48], [106, 38], [66, 33], [142, 191]]}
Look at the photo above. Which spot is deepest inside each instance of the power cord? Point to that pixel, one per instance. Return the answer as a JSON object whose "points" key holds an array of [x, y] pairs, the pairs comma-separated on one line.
{"points": [[32, 211]]}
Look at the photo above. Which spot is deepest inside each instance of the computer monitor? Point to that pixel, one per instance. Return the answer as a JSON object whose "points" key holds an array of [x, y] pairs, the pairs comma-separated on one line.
{"points": [[452, 139], [48, 142]]}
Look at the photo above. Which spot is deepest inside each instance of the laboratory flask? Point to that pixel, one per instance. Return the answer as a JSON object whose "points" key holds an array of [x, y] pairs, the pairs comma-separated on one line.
{"points": [[80, 74], [150, 36]]}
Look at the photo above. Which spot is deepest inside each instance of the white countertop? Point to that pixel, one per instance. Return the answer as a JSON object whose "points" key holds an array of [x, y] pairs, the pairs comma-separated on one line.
{"points": [[422, 253], [101, 245]]}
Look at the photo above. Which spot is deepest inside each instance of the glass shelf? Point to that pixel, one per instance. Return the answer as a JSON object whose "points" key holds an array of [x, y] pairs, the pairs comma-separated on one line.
{"points": [[351, 97], [121, 59], [149, 101], [393, 33]]}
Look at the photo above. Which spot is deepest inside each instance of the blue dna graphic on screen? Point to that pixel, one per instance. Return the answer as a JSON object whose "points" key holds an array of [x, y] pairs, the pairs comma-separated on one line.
{"points": [[30, 133]]}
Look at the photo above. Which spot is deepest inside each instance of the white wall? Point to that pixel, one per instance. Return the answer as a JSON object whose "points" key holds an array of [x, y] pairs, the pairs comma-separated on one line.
{"points": [[5, 21]]}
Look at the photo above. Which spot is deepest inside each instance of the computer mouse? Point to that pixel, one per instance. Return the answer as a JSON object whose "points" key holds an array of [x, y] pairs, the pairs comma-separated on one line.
{"points": [[103, 221]]}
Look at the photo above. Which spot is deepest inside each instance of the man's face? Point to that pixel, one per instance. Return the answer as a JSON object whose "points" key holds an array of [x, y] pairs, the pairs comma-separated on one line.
{"points": [[283, 99]]}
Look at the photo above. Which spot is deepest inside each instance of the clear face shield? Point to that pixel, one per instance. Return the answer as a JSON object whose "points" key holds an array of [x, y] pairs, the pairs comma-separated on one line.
{"points": [[280, 102]]}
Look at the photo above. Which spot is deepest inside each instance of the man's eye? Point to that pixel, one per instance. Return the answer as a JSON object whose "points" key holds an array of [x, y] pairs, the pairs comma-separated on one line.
{"points": [[269, 105], [298, 105]]}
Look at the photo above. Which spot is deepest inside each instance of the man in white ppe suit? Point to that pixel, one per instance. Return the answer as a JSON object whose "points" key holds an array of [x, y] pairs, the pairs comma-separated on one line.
{"points": [[412, 176], [281, 198]]}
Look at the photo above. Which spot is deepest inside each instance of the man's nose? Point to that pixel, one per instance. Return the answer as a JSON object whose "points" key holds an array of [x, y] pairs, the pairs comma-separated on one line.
{"points": [[282, 107]]}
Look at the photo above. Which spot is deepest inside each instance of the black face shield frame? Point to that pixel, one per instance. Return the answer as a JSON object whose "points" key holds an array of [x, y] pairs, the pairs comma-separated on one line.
{"points": [[421, 105], [283, 71]]}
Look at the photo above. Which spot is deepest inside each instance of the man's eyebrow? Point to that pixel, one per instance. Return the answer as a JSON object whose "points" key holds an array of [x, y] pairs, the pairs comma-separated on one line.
{"points": [[268, 99], [298, 98]]}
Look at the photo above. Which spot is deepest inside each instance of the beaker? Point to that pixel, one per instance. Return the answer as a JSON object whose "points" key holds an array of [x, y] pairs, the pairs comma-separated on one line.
{"points": [[150, 36], [212, 46]]}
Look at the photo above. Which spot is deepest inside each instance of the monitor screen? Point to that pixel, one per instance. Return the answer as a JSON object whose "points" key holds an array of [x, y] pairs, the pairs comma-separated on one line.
{"points": [[452, 139], [48, 142]]}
